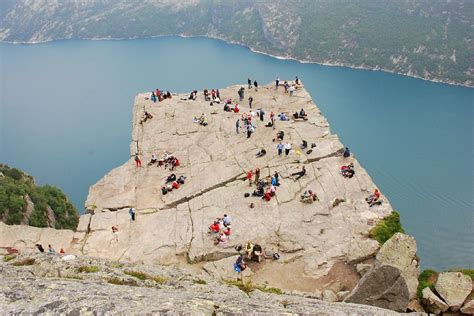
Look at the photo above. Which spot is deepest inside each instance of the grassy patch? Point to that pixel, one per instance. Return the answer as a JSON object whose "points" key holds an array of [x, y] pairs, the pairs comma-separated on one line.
{"points": [[248, 287], [24, 262], [468, 272], [118, 281], [199, 281], [386, 228], [9, 258], [74, 277], [143, 276], [88, 269], [427, 278], [116, 265]]}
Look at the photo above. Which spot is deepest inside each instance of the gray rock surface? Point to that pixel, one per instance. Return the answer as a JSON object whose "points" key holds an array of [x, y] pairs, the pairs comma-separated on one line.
{"points": [[383, 286], [392, 280], [52, 285], [400, 252], [432, 302], [453, 288]]}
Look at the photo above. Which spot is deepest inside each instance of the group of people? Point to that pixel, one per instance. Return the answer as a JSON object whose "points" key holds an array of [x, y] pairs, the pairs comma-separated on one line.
{"points": [[301, 115], [265, 188], [348, 171], [221, 228], [255, 84], [213, 96], [166, 160], [374, 198], [50, 249], [252, 252], [159, 95], [172, 183]]}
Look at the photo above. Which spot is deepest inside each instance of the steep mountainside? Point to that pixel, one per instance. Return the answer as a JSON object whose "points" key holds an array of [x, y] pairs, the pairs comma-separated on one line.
{"points": [[22, 202], [427, 39]]}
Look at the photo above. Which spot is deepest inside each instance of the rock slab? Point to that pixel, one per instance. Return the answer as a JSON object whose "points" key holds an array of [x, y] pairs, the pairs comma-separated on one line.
{"points": [[453, 287]]}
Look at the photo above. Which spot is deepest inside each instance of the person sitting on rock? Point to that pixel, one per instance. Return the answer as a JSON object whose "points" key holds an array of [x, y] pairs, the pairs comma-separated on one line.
{"points": [[304, 144], [259, 191], [206, 95], [283, 117], [227, 231], [348, 171], [373, 197], [115, 232], [51, 250], [170, 178], [261, 153], [303, 114], [257, 253], [214, 228], [221, 239], [279, 137], [309, 197], [226, 220], [175, 185], [153, 96], [299, 174], [174, 163], [181, 179], [203, 120], [346, 153], [154, 159], [168, 95], [240, 264], [236, 108], [249, 249], [267, 196]]}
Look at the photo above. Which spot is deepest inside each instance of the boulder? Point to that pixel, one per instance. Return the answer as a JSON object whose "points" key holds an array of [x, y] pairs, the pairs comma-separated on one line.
{"points": [[329, 296], [415, 306], [468, 307], [432, 302], [453, 287], [362, 268], [400, 252], [382, 286]]}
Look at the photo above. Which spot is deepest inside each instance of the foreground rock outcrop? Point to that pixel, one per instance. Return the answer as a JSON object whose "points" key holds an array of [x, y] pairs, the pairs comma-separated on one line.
{"points": [[42, 283]]}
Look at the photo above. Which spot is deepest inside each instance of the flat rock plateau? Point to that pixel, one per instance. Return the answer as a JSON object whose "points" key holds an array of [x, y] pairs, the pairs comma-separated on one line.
{"points": [[319, 243]]}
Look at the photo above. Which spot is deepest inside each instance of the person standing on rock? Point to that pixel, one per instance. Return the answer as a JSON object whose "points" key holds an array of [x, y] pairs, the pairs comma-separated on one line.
{"points": [[131, 211], [261, 114], [257, 175], [287, 148], [237, 125], [115, 233], [249, 130], [249, 177], [138, 162], [280, 148], [255, 84], [272, 119], [250, 102], [241, 93], [249, 83], [297, 81], [277, 83]]}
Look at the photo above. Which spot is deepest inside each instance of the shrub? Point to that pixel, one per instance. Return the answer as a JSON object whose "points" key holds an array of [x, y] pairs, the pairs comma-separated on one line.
{"points": [[427, 278], [143, 276], [248, 287], [199, 281], [386, 228], [9, 258], [118, 281], [24, 262], [88, 269]]}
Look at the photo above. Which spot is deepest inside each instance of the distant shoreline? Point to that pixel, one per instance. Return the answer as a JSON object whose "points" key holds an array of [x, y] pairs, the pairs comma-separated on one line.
{"points": [[326, 63]]}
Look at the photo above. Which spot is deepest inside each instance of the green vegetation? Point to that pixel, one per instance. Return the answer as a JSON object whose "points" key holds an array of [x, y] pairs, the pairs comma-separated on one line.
{"points": [[386, 228], [144, 276], [24, 262], [88, 269], [248, 287], [468, 272], [74, 277], [427, 278], [17, 189], [116, 265], [199, 281], [118, 281], [9, 258], [425, 38]]}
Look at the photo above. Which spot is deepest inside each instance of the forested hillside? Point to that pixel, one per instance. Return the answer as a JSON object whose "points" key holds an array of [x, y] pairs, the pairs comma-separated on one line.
{"points": [[22, 202], [421, 38]]}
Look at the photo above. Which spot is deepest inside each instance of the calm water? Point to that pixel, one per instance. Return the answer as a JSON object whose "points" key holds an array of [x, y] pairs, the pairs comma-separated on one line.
{"points": [[65, 115]]}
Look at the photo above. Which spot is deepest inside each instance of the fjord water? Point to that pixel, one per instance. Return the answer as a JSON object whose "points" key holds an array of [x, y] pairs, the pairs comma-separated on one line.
{"points": [[66, 106]]}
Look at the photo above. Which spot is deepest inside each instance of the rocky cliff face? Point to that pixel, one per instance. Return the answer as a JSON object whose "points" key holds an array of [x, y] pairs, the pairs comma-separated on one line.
{"points": [[320, 243]]}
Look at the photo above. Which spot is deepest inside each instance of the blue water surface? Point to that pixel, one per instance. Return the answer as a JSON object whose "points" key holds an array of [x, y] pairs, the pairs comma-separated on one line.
{"points": [[65, 118]]}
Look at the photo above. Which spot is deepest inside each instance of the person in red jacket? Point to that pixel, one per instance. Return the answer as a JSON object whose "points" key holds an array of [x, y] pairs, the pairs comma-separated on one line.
{"points": [[249, 177]]}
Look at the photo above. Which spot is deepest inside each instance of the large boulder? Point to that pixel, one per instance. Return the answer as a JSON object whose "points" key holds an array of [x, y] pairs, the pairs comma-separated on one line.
{"points": [[400, 252], [453, 287], [393, 279], [383, 286], [432, 302]]}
